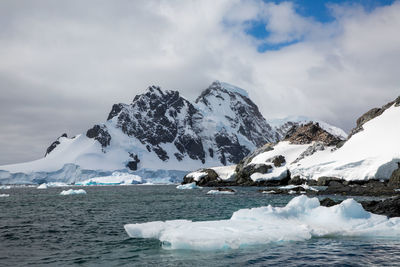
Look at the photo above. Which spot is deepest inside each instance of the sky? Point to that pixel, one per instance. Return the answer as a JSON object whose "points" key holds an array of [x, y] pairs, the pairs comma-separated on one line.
{"points": [[63, 64]]}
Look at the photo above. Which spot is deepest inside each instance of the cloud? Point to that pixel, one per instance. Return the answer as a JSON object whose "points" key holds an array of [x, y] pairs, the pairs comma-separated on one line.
{"points": [[63, 64]]}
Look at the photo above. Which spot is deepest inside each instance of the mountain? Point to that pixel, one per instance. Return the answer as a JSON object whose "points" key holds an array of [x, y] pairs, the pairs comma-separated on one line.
{"points": [[158, 130], [310, 152]]}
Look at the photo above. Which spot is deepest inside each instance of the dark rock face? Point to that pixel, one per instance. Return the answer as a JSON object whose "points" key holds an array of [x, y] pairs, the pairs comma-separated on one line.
{"points": [[395, 177], [100, 133], [54, 144], [133, 164], [310, 132], [371, 114], [389, 207]]}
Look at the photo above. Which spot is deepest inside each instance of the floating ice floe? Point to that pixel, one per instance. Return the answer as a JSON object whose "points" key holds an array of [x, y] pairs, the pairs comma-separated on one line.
{"points": [[269, 192], [304, 186], [220, 192], [117, 178], [188, 186], [42, 186], [73, 192], [4, 195], [5, 187], [301, 219]]}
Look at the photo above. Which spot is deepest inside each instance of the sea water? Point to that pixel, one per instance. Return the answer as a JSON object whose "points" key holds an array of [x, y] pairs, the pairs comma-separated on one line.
{"points": [[42, 227]]}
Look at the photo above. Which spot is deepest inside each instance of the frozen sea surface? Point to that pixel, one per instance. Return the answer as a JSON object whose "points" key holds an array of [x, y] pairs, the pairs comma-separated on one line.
{"points": [[38, 227]]}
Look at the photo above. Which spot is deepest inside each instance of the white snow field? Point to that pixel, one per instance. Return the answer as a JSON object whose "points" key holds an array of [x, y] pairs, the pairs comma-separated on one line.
{"points": [[303, 218], [73, 192], [188, 186], [4, 195], [42, 186]]}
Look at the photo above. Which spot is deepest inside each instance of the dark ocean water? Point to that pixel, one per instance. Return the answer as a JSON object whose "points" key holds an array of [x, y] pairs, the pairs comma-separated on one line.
{"points": [[40, 227]]}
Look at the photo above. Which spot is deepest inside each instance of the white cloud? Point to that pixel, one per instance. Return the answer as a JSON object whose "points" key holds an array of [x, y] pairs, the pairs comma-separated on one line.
{"points": [[64, 64]]}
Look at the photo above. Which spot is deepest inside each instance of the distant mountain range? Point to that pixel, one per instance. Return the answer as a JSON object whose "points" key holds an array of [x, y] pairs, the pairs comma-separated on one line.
{"points": [[160, 129]]}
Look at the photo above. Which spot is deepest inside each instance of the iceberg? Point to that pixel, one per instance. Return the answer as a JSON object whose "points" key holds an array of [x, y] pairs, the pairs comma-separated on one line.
{"points": [[4, 195], [188, 186], [117, 178], [73, 192], [301, 219]]}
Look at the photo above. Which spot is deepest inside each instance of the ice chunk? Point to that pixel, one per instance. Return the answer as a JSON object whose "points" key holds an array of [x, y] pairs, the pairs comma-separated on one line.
{"points": [[73, 192], [304, 186], [220, 192], [4, 195], [5, 187], [42, 186], [188, 186], [301, 219]]}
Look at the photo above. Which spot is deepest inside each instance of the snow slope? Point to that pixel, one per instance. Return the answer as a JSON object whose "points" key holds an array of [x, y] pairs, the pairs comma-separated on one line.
{"points": [[369, 154], [301, 219]]}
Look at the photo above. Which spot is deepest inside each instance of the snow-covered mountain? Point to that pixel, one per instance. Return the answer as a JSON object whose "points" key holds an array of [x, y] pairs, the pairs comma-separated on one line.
{"points": [[160, 130]]}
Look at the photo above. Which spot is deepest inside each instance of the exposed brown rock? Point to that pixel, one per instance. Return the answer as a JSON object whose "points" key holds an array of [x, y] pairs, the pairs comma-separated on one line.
{"points": [[310, 132]]}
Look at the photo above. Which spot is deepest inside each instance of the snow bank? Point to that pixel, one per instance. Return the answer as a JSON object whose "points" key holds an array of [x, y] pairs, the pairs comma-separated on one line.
{"points": [[188, 186], [302, 218], [218, 192], [197, 175], [117, 178], [73, 192], [275, 174], [226, 173], [4, 195]]}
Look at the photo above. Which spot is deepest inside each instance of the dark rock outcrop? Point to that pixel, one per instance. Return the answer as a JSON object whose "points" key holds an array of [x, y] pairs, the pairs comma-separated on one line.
{"points": [[359, 188], [310, 132], [54, 144], [100, 133], [389, 207], [327, 202], [325, 181]]}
